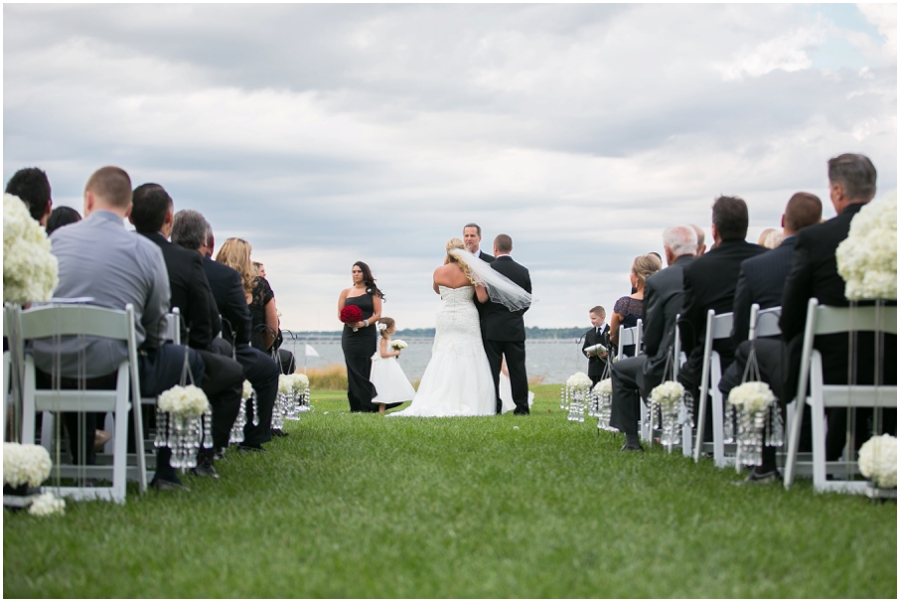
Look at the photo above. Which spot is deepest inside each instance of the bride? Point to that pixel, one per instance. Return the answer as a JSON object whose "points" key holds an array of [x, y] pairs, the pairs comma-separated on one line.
{"points": [[458, 380]]}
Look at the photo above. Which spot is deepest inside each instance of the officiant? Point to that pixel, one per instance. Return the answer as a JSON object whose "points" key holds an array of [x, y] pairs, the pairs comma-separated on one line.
{"points": [[597, 335]]}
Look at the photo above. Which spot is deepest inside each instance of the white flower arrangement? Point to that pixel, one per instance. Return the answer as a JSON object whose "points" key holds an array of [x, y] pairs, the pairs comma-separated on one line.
{"points": [[25, 464], [867, 258], [878, 461], [604, 387], [184, 401], [751, 396], [398, 345], [667, 394], [247, 391], [285, 384], [30, 271], [579, 382], [300, 382], [47, 504]]}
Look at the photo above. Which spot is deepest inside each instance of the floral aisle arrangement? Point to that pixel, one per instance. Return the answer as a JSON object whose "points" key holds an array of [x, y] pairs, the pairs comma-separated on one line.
{"points": [[752, 415], [878, 461], [237, 429], [673, 406], [867, 258], [183, 424], [293, 397], [30, 271], [602, 400], [24, 466], [577, 388], [282, 401], [398, 345], [301, 393]]}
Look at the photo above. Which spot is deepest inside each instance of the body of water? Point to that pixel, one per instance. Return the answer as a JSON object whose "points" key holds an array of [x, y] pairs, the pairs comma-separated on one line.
{"points": [[555, 360]]}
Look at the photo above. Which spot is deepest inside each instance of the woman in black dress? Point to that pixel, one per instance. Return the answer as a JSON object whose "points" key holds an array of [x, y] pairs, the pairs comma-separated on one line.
{"points": [[360, 339], [628, 310]]}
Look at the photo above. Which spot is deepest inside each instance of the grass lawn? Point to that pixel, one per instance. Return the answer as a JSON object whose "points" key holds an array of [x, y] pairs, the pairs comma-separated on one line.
{"points": [[364, 506]]}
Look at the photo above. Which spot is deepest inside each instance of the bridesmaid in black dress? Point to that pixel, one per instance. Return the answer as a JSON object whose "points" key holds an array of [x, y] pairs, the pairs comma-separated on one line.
{"points": [[360, 340]]}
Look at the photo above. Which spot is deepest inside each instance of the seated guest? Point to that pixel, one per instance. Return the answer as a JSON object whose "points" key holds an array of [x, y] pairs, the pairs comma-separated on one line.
{"points": [[153, 215], [597, 335], [192, 231], [627, 310], [32, 186], [851, 179], [709, 283], [701, 240], [762, 277], [259, 269], [770, 238], [98, 258], [235, 253], [633, 378], [61, 216]]}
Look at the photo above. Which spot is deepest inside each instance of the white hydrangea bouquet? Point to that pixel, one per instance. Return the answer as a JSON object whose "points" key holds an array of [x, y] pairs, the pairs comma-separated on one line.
{"points": [[878, 461], [666, 401], [867, 258], [46, 504], [398, 345], [751, 413], [601, 401], [577, 389], [183, 424], [25, 464], [30, 271]]}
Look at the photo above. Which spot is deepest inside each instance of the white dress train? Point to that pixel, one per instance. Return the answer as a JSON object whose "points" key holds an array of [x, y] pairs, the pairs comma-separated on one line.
{"points": [[457, 380]]}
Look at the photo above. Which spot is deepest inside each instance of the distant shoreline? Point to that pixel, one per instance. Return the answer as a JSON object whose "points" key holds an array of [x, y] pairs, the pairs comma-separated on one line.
{"points": [[534, 334]]}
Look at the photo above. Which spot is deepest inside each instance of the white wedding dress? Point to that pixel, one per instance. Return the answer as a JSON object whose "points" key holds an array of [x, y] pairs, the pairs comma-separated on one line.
{"points": [[457, 380]]}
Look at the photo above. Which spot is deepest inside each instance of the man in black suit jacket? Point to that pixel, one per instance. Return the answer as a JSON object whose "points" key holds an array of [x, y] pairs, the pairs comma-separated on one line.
{"points": [[598, 335], [472, 240], [635, 377], [152, 215], [503, 330], [191, 230], [762, 277]]}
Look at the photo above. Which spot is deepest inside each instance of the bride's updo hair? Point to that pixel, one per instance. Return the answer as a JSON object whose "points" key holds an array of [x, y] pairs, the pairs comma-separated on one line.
{"points": [[455, 243]]}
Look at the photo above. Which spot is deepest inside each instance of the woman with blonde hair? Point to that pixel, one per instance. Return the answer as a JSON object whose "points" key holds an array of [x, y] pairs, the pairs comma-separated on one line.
{"points": [[458, 379], [235, 253], [628, 310]]}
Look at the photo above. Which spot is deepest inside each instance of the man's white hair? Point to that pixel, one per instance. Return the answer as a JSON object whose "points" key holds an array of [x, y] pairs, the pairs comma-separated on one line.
{"points": [[681, 240]]}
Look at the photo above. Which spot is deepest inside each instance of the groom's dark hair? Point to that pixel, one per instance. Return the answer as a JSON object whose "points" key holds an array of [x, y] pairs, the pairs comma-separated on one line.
{"points": [[476, 226], [503, 243]]}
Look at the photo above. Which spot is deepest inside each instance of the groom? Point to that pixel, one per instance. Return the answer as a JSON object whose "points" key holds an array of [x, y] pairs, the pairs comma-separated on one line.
{"points": [[503, 330]]}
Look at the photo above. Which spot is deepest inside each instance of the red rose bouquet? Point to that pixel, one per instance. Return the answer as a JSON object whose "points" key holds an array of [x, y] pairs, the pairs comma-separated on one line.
{"points": [[351, 314]]}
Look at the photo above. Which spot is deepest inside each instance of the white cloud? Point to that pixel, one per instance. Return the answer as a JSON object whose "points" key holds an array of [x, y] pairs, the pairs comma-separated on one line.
{"points": [[884, 18]]}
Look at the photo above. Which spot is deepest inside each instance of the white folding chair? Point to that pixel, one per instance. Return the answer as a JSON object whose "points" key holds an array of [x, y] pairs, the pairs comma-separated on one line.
{"points": [[73, 320], [822, 320], [717, 327], [630, 336]]}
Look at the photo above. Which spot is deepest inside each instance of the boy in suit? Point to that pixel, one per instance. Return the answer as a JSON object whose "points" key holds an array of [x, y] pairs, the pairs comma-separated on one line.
{"points": [[598, 335]]}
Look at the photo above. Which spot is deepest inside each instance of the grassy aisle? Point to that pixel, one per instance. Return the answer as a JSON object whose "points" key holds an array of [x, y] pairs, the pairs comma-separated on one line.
{"points": [[364, 506]]}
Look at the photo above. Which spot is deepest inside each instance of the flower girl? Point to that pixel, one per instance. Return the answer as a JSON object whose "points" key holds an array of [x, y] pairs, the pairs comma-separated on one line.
{"points": [[390, 382]]}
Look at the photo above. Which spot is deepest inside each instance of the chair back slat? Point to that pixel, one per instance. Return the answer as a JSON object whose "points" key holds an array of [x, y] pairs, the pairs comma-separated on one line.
{"points": [[767, 322], [721, 325], [63, 320], [830, 320], [173, 327]]}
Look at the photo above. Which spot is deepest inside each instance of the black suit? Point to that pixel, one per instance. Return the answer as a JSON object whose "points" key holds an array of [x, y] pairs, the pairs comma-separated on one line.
{"points": [[709, 283], [596, 365], [663, 299], [223, 378], [484, 256], [259, 368], [761, 281], [503, 332]]}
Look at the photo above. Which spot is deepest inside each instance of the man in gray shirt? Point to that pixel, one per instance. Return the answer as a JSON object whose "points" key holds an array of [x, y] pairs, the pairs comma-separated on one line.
{"points": [[101, 260]]}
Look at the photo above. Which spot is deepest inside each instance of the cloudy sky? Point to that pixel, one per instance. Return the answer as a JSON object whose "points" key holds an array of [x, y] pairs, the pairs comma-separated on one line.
{"points": [[326, 134]]}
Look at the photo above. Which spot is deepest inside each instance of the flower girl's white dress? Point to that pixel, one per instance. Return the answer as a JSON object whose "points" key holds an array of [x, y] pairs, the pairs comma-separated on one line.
{"points": [[389, 380], [457, 380]]}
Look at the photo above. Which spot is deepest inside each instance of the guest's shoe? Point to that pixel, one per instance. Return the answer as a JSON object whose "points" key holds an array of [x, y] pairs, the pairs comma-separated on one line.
{"points": [[101, 438], [759, 476], [279, 433], [220, 454], [164, 485], [519, 412], [632, 448], [205, 469], [251, 447]]}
